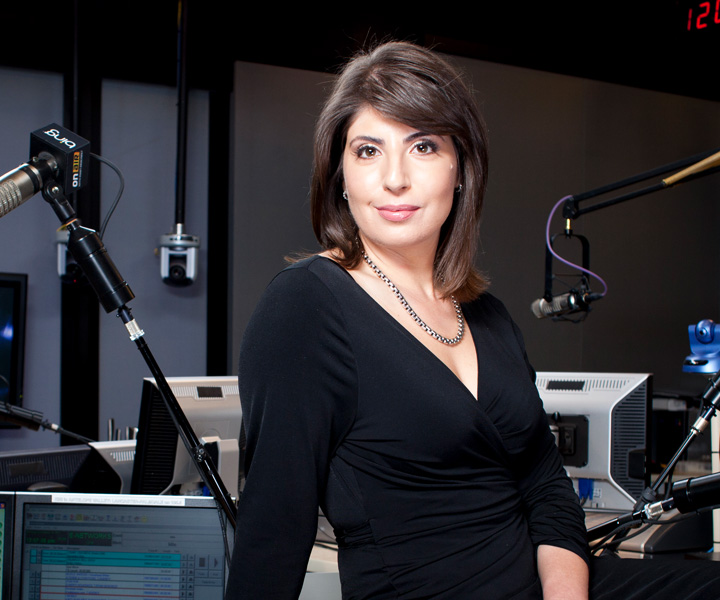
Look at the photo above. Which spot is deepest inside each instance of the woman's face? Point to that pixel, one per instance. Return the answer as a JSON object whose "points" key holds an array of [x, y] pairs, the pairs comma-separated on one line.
{"points": [[399, 181]]}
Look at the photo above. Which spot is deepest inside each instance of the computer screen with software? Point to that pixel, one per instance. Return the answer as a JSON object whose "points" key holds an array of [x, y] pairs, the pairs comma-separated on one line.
{"points": [[116, 546], [6, 520]]}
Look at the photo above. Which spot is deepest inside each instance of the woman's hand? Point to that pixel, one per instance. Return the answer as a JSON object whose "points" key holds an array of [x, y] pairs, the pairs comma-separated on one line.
{"points": [[563, 574]]}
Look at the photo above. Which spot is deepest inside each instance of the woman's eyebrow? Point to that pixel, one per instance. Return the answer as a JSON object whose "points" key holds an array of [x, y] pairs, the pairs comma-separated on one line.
{"points": [[416, 135], [366, 138], [379, 141]]}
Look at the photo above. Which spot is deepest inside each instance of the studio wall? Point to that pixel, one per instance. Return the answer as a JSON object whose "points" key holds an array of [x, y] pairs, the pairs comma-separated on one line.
{"points": [[139, 136], [31, 100], [550, 135], [275, 111]]}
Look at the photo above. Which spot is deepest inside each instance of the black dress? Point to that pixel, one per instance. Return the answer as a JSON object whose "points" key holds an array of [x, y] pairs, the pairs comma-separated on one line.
{"points": [[432, 494]]}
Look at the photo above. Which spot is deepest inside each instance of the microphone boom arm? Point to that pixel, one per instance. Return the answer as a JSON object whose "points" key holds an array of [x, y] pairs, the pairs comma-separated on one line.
{"points": [[693, 167]]}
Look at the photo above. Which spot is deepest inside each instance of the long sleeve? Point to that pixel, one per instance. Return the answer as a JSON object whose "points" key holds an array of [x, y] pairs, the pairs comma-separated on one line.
{"points": [[551, 504], [298, 391], [552, 507]]}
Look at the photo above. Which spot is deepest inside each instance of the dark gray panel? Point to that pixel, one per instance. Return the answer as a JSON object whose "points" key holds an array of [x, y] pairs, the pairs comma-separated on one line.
{"points": [[275, 111]]}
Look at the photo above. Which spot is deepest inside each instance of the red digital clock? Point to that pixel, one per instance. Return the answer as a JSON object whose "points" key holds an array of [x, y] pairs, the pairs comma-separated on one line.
{"points": [[703, 15]]}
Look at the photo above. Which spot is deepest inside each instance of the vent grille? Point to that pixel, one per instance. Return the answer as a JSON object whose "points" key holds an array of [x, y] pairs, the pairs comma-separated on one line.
{"points": [[587, 384], [628, 423], [123, 455], [190, 391], [153, 467]]}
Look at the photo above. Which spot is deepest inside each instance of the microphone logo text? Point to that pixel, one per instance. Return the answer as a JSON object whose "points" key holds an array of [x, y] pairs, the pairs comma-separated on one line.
{"points": [[76, 169], [54, 133]]}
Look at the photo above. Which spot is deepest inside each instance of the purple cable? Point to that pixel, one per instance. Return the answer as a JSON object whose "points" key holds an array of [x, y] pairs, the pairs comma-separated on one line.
{"points": [[560, 258]]}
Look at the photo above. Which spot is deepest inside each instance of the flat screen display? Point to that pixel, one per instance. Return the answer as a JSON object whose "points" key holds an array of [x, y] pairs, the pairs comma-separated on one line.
{"points": [[13, 294], [117, 546]]}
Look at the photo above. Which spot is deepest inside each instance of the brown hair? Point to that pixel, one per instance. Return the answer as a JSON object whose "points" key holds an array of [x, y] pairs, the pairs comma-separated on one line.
{"points": [[414, 86]]}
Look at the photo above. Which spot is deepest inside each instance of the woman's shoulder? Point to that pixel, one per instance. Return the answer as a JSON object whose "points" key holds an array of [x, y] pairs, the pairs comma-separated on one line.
{"points": [[315, 277], [487, 304], [304, 294], [316, 266], [298, 330]]}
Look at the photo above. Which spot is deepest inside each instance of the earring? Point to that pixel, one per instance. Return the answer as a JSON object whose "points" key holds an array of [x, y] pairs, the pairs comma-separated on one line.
{"points": [[345, 196], [458, 189]]}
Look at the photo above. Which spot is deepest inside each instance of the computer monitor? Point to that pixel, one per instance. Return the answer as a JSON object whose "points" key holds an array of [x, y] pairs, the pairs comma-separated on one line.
{"points": [[112, 546], [601, 421], [79, 468], [162, 463], [7, 505], [13, 299]]}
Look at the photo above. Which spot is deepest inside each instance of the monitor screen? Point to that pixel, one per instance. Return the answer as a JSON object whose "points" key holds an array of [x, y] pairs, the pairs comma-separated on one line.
{"points": [[13, 295], [6, 533], [78, 468], [117, 546]]}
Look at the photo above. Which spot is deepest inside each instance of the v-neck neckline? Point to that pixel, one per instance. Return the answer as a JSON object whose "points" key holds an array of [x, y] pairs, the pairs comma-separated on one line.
{"points": [[397, 324]]}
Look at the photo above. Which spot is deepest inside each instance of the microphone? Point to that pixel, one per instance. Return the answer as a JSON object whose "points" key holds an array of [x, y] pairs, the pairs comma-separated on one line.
{"points": [[559, 305], [56, 154], [688, 495], [564, 304], [34, 420], [57, 166]]}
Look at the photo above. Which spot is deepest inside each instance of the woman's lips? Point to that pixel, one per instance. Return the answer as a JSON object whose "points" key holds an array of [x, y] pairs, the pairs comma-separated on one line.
{"points": [[398, 212]]}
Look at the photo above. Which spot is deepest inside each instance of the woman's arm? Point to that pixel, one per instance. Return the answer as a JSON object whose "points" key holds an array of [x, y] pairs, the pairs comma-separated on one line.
{"points": [[563, 574], [552, 509], [297, 387]]}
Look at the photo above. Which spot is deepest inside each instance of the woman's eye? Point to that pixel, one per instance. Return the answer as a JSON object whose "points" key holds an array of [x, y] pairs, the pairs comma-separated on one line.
{"points": [[366, 152], [425, 147]]}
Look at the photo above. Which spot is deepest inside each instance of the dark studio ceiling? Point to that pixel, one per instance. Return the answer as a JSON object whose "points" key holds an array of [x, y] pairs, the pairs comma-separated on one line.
{"points": [[666, 45]]}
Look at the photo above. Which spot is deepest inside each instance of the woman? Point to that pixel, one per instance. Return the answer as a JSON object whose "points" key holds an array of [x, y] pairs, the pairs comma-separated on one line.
{"points": [[379, 381]]}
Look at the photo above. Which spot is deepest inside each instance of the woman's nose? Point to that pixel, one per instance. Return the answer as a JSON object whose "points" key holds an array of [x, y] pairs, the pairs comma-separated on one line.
{"points": [[396, 177]]}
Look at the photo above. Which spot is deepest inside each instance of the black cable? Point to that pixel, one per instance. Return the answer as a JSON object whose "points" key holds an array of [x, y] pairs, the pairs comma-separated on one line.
{"points": [[34, 420], [604, 541], [223, 528], [110, 212], [609, 544], [668, 482]]}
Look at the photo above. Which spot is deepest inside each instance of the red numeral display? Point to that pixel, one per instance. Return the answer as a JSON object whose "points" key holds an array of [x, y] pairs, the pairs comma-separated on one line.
{"points": [[703, 18]]}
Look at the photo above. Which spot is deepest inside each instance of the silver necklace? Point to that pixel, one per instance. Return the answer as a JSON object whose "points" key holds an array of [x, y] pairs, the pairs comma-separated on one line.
{"points": [[458, 311]]}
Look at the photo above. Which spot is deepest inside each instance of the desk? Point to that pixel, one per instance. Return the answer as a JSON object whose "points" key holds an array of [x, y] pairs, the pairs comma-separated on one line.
{"points": [[322, 581]]}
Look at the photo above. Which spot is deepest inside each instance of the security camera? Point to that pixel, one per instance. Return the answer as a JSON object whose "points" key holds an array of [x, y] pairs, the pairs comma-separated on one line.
{"points": [[178, 257]]}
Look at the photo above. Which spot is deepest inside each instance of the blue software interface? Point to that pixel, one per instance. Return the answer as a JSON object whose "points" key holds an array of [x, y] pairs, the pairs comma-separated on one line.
{"points": [[125, 552]]}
